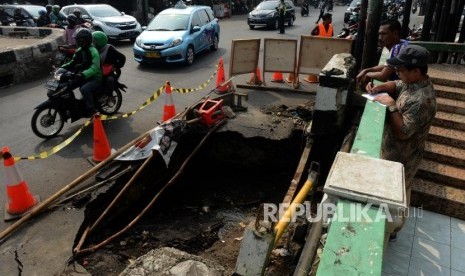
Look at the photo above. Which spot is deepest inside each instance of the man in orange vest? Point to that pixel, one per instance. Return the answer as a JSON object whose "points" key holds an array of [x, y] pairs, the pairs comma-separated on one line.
{"points": [[324, 29]]}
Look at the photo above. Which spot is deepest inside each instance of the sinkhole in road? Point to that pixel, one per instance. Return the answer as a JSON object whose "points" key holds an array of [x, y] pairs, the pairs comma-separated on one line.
{"points": [[205, 211]]}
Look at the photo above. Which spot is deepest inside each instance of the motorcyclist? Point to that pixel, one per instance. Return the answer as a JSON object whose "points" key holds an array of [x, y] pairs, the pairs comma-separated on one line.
{"points": [[111, 61], [80, 20], [56, 17], [19, 18], [70, 29], [43, 20], [86, 63], [4, 17]]}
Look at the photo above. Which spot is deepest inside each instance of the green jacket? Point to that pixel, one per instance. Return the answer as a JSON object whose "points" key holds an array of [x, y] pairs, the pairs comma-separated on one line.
{"points": [[87, 62]]}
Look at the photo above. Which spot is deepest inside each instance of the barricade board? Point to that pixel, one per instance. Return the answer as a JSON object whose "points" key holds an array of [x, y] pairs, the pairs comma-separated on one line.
{"points": [[315, 52], [244, 56], [280, 55]]}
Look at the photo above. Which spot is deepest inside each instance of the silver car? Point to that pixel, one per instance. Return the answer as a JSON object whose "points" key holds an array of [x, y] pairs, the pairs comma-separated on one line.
{"points": [[115, 24]]}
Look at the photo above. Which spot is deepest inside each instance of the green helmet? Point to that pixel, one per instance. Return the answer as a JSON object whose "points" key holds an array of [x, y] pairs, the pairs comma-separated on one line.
{"points": [[56, 8], [100, 39]]}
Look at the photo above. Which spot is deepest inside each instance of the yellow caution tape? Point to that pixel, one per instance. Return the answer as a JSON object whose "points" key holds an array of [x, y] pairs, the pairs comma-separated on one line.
{"points": [[58, 147], [149, 101]]}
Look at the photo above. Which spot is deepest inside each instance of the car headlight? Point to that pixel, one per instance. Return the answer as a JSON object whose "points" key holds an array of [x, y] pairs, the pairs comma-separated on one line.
{"points": [[271, 14], [110, 24], [139, 42], [176, 42]]}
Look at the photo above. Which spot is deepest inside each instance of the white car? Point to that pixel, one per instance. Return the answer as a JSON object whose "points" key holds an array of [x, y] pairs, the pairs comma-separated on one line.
{"points": [[115, 24]]}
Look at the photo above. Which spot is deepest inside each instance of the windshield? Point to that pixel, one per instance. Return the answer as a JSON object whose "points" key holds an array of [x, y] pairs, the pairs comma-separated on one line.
{"points": [[103, 11], [169, 22], [267, 5], [34, 10]]}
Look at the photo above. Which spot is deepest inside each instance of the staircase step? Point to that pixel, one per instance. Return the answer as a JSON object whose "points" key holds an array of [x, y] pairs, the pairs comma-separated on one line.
{"points": [[442, 173], [438, 198], [448, 82], [451, 106], [448, 92], [449, 120], [445, 154], [451, 137]]}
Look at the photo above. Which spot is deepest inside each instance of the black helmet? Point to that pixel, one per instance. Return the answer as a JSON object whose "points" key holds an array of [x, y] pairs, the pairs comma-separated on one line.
{"points": [[83, 37], [17, 10], [72, 19], [48, 7], [77, 12]]}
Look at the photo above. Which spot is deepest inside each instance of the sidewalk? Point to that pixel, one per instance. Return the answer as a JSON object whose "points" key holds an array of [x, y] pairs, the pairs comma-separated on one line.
{"points": [[429, 244]]}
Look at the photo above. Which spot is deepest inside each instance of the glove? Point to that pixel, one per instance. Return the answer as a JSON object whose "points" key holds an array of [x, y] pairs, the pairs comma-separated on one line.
{"points": [[119, 86]]}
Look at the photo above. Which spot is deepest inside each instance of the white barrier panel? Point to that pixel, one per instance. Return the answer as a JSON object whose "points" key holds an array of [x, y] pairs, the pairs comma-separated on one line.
{"points": [[316, 52], [280, 55], [244, 56]]}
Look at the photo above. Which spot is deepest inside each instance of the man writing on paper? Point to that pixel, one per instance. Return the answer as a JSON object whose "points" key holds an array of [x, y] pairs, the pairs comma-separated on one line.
{"points": [[410, 116]]}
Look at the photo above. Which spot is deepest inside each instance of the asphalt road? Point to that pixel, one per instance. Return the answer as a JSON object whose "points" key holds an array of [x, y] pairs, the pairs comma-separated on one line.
{"points": [[47, 176]]}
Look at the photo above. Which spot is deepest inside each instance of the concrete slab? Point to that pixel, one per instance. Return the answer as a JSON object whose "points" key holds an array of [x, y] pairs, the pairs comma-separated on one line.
{"points": [[368, 180]]}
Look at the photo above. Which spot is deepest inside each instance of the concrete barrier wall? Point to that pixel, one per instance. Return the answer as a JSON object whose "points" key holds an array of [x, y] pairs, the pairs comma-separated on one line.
{"points": [[24, 63]]}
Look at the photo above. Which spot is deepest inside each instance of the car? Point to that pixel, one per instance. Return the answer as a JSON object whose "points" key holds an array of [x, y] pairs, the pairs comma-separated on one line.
{"points": [[176, 34], [266, 15], [30, 12], [350, 9], [115, 24]]}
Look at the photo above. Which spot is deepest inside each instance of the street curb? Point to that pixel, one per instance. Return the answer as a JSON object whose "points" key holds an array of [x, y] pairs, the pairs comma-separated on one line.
{"points": [[28, 62]]}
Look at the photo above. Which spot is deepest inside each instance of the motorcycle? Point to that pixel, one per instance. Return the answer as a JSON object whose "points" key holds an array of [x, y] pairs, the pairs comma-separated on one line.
{"points": [[349, 32], [304, 9], [63, 105], [65, 54]]}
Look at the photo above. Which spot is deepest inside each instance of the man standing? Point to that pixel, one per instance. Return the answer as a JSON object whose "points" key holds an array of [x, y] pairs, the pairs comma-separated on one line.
{"points": [[409, 117], [389, 37], [282, 13], [324, 29]]}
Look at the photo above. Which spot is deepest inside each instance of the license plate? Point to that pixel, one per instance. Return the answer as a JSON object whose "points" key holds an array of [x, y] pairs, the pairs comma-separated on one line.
{"points": [[152, 55], [52, 85]]}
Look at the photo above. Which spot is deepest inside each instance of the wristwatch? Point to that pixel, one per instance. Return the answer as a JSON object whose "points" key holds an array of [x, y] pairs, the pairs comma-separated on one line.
{"points": [[392, 108]]}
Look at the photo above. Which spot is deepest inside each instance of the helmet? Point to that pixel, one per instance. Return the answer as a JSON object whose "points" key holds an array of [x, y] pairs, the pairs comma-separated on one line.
{"points": [[48, 7], [17, 10], [76, 12], [72, 19], [99, 38], [56, 8], [83, 37], [42, 12]]}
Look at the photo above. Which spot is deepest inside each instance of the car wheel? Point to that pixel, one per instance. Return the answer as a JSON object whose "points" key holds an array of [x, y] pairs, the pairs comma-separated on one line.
{"points": [[276, 24], [251, 27], [190, 55], [291, 21], [214, 46]]}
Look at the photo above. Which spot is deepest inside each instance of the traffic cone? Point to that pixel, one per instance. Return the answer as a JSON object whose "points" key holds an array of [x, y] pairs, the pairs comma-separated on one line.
{"points": [[311, 79], [101, 146], [220, 78], [168, 109], [277, 77], [255, 78], [20, 200], [290, 78]]}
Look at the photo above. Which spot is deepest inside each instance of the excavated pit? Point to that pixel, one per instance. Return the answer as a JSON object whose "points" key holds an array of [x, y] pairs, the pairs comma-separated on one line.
{"points": [[205, 211]]}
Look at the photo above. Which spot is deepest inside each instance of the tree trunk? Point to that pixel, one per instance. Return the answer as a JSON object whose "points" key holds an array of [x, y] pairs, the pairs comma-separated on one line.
{"points": [[406, 19], [428, 21], [451, 28], [360, 34], [370, 48]]}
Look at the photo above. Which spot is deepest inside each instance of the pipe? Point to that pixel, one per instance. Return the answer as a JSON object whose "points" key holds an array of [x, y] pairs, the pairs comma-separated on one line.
{"points": [[308, 252], [286, 218]]}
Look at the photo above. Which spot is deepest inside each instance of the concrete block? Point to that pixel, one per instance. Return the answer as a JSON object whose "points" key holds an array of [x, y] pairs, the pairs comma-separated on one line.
{"points": [[367, 180], [23, 54], [7, 57], [254, 253], [330, 99]]}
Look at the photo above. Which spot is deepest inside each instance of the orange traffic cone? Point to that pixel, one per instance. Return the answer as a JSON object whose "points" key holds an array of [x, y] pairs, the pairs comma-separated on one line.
{"points": [[255, 78], [168, 109], [277, 77], [20, 199], [221, 87], [101, 146], [311, 79], [290, 78]]}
